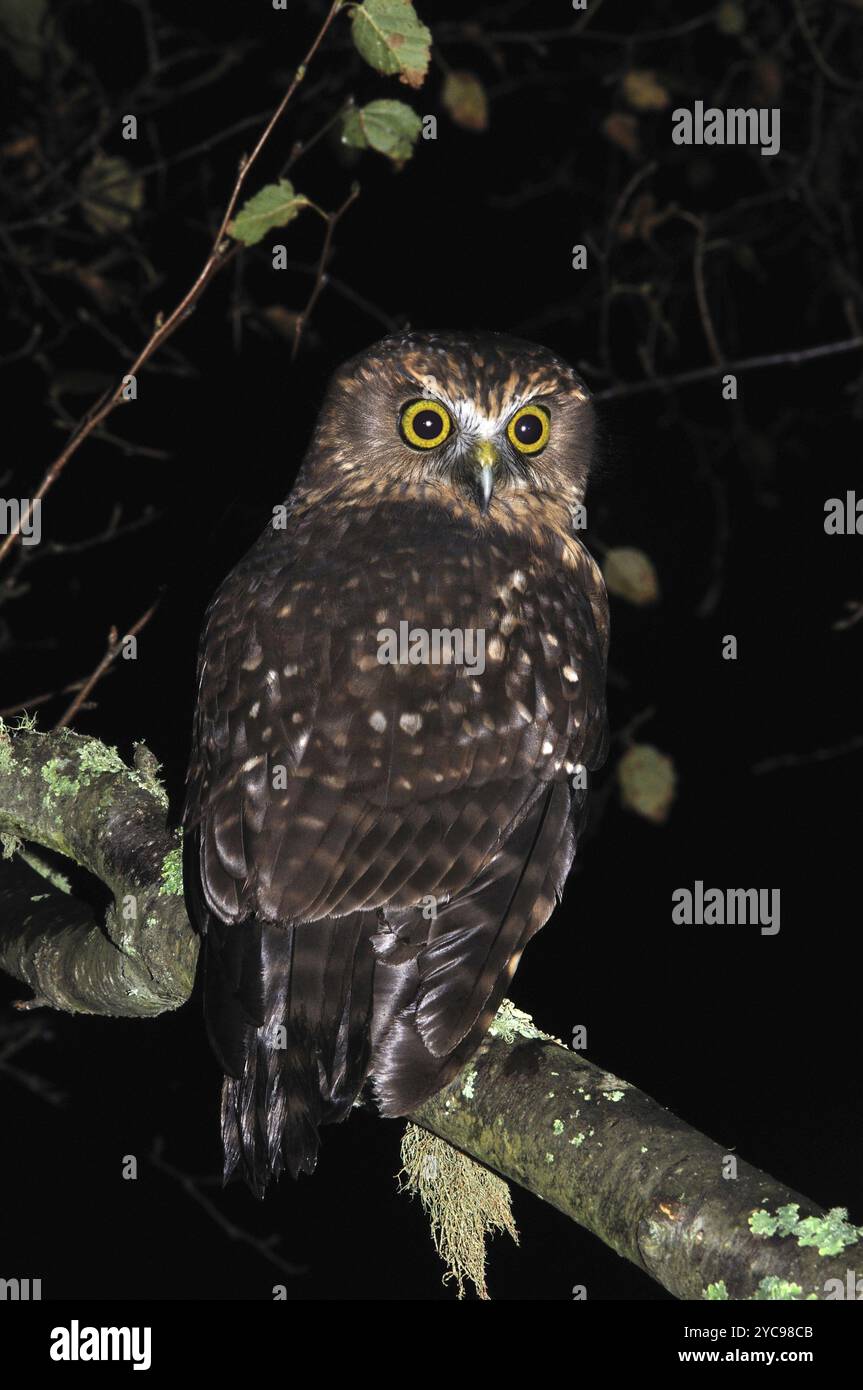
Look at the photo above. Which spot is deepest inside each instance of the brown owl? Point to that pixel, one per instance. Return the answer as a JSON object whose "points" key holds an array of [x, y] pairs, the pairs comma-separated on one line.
{"points": [[401, 689]]}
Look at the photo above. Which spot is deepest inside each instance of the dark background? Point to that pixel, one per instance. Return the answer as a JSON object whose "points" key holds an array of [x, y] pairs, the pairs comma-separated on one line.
{"points": [[753, 1039]]}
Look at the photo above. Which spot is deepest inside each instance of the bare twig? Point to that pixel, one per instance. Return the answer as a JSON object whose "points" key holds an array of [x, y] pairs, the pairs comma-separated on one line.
{"points": [[700, 289], [320, 277], [42, 699], [263, 1247], [815, 755], [771, 359], [115, 646]]}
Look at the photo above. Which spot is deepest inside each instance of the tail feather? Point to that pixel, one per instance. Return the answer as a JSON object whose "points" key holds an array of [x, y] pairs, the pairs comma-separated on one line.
{"points": [[288, 1011]]}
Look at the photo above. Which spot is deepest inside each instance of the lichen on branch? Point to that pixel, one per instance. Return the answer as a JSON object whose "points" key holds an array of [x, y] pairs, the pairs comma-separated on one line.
{"points": [[75, 796]]}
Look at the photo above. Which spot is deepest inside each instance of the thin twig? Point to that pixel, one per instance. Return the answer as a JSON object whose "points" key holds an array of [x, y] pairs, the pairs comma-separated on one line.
{"points": [[772, 359], [43, 699], [115, 646], [320, 278], [263, 1247], [700, 288], [816, 755]]}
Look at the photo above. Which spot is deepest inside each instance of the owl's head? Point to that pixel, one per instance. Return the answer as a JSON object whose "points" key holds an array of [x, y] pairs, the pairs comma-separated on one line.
{"points": [[477, 420]]}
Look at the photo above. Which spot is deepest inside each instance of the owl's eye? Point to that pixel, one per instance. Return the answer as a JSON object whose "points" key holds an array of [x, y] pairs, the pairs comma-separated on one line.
{"points": [[424, 424], [528, 429]]}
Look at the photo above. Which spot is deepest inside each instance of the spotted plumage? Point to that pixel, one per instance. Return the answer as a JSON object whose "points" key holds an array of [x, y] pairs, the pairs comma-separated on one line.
{"points": [[373, 839]]}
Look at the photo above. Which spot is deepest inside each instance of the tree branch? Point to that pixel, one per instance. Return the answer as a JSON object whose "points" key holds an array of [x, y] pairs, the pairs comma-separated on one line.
{"points": [[617, 1163], [74, 796]]}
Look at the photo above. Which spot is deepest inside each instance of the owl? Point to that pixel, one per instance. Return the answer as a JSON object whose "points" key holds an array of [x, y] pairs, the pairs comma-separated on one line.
{"points": [[401, 693]]}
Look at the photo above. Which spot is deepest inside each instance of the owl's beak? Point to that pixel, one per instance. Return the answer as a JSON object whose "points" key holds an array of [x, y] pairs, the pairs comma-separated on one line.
{"points": [[485, 457]]}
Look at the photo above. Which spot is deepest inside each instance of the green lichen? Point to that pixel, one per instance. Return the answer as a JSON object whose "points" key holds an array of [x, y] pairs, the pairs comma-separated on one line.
{"points": [[830, 1233], [761, 1223], [10, 845], [8, 765], [145, 774], [613, 1095], [468, 1089], [58, 782], [577, 1140], [69, 776], [716, 1292], [6, 759], [96, 758], [88, 759], [772, 1287], [172, 874], [557, 1127], [510, 1023], [549, 1158]]}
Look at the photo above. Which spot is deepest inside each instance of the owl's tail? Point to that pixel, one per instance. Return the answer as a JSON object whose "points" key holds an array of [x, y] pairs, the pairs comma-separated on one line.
{"points": [[287, 1011]]}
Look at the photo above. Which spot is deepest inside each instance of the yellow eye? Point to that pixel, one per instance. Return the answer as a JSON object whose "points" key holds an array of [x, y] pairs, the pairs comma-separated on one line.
{"points": [[424, 424], [528, 429]]}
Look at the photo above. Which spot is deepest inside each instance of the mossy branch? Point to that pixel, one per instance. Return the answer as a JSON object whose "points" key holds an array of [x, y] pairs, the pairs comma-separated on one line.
{"points": [[643, 1181], [595, 1147], [75, 796]]}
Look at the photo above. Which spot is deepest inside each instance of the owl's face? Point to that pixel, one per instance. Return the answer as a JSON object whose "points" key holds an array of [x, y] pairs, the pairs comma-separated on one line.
{"points": [[487, 420]]}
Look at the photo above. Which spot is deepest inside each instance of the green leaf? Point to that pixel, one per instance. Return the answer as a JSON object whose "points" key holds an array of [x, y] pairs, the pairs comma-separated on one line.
{"points": [[275, 206], [465, 99], [21, 24], [111, 193], [390, 127], [647, 782], [630, 574], [644, 91], [731, 17], [388, 34]]}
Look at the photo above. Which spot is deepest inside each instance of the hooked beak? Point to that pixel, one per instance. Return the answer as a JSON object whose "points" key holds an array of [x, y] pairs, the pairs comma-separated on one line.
{"points": [[484, 458]]}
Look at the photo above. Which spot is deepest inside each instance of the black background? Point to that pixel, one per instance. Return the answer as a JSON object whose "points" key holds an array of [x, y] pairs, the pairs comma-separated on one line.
{"points": [[753, 1039]]}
